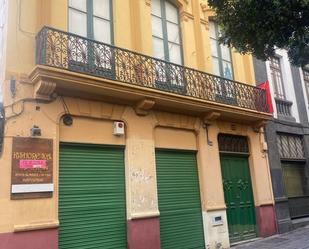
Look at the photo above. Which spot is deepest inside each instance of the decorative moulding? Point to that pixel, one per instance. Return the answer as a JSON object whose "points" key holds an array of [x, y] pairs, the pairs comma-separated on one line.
{"points": [[141, 215], [258, 125], [215, 208], [185, 16], [44, 79], [25, 79], [36, 226], [204, 6], [43, 90], [178, 2], [211, 116], [143, 107], [208, 12], [205, 23]]}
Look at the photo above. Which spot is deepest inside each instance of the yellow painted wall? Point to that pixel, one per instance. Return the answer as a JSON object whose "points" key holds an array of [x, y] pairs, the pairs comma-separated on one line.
{"points": [[132, 30], [93, 122], [93, 119]]}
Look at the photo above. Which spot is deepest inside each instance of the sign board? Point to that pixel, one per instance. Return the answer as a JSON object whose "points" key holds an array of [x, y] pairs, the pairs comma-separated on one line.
{"points": [[32, 168]]}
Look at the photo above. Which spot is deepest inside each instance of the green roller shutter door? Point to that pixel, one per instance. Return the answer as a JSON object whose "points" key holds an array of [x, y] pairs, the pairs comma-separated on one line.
{"points": [[181, 224], [92, 208]]}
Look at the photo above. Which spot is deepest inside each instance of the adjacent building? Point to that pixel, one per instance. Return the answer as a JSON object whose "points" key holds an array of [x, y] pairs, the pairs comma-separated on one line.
{"points": [[127, 125], [287, 138]]}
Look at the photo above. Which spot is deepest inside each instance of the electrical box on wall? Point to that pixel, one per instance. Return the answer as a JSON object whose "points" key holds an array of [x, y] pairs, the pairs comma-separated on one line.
{"points": [[217, 220], [118, 128]]}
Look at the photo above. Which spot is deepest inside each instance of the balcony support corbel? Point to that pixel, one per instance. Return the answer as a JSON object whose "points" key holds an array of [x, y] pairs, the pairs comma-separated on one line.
{"points": [[209, 117], [143, 107], [258, 125], [43, 90]]}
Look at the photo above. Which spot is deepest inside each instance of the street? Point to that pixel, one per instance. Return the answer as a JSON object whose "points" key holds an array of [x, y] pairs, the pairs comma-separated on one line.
{"points": [[297, 239]]}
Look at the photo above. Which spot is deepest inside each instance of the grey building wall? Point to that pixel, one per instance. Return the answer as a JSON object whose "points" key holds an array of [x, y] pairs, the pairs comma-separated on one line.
{"points": [[301, 104], [282, 125]]}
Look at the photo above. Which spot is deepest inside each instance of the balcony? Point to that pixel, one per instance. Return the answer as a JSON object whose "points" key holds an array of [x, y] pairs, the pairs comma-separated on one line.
{"points": [[71, 53], [284, 109]]}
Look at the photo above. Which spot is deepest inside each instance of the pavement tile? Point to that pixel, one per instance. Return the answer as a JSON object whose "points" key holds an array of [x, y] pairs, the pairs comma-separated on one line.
{"points": [[297, 239]]}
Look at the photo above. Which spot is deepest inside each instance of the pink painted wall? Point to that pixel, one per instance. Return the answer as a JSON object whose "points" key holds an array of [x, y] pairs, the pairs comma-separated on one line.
{"points": [[266, 220], [144, 233], [40, 239]]}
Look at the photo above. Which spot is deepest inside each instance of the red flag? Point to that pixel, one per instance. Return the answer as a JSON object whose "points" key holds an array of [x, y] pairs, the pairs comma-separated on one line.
{"points": [[266, 87]]}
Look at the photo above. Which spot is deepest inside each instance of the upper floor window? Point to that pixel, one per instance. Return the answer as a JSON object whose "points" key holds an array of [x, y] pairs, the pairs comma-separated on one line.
{"points": [[92, 19], [276, 75], [306, 80], [221, 54], [166, 31]]}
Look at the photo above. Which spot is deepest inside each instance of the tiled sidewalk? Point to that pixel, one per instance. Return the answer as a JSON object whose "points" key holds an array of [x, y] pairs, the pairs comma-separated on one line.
{"points": [[297, 239]]}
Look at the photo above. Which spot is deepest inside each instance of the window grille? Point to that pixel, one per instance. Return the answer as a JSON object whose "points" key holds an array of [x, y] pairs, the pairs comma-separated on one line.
{"points": [[232, 143], [290, 146]]}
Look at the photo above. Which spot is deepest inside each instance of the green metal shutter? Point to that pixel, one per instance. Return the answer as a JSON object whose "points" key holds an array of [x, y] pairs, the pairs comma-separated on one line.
{"points": [[181, 224], [92, 208]]}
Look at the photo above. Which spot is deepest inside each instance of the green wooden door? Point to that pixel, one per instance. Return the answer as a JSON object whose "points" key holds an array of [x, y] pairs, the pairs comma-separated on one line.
{"points": [[92, 209], [238, 197], [181, 224]]}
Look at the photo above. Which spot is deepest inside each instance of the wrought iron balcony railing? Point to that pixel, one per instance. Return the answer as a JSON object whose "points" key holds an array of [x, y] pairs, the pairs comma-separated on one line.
{"points": [[64, 50]]}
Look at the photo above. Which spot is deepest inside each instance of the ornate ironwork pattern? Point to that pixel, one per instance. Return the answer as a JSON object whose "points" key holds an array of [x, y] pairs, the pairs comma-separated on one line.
{"points": [[233, 143], [64, 50], [290, 146]]}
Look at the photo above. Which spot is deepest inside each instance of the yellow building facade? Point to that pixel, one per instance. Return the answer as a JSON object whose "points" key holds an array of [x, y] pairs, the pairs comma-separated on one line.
{"points": [[144, 147]]}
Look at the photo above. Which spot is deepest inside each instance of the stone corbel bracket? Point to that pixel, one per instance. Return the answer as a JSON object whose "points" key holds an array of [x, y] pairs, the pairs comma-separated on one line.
{"points": [[209, 117], [143, 107], [43, 90], [204, 6], [258, 125]]}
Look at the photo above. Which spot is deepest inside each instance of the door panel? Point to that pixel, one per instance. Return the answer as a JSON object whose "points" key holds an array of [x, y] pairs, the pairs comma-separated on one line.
{"points": [[181, 224], [238, 197], [92, 210]]}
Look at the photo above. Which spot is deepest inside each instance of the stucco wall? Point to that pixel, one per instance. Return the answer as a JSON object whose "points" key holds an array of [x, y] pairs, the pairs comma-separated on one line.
{"points": [[92, 123], [93, 120]]}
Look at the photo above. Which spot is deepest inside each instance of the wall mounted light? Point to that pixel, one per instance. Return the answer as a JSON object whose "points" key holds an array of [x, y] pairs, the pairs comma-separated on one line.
{"points": [[67, 120]]}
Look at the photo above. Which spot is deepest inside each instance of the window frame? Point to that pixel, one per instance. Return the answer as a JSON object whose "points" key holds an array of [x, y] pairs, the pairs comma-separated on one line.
{"points": [[108, 70], [276, 69], [306, 80], [89, 19], [219, 51], [164, 22], [285, 143], [301, 168]]}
